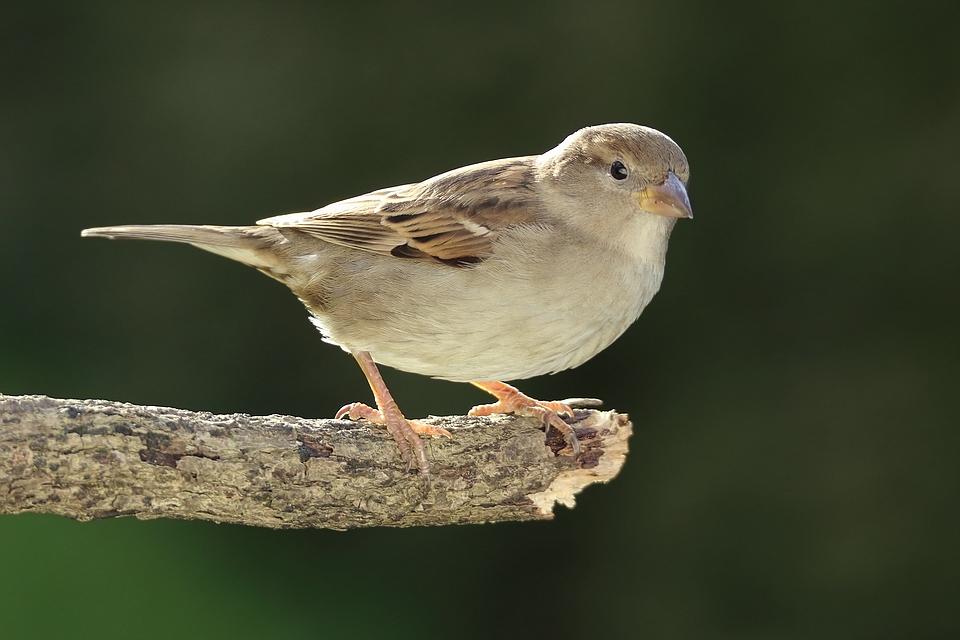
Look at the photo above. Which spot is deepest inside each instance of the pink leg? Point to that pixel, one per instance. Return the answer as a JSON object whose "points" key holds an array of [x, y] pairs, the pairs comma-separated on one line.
{"points": [[410, 445], [510, 400]]}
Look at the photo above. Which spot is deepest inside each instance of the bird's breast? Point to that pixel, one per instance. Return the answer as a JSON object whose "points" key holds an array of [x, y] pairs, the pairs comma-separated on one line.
{"points": [[513, 316]]}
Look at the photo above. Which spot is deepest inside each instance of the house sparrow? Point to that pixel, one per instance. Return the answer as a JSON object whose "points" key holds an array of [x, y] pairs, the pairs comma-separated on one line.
{"points": [[501, 270]]}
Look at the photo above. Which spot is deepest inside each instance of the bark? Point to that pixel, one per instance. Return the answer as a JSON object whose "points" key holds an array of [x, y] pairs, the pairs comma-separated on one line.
{"points": [[90, 459]]}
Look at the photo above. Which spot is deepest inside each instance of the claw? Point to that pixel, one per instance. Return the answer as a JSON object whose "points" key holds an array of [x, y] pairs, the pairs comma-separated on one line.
{"points": [[423, 429], [358, 411], [510, 400]]}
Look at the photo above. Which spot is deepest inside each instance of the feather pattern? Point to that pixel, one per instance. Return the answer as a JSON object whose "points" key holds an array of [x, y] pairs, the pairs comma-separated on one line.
{"points": [[453, 218]]}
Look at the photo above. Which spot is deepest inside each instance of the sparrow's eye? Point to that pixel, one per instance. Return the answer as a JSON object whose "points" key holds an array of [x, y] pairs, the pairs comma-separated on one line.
{"points": [[618, 171]]}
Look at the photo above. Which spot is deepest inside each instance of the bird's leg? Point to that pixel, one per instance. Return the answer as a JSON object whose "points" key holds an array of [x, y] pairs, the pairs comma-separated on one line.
{"points": [[510, 400], [403, 431]]}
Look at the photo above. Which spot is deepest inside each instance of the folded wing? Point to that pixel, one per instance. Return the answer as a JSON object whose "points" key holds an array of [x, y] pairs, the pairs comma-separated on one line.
{"points": [[453, 218]]}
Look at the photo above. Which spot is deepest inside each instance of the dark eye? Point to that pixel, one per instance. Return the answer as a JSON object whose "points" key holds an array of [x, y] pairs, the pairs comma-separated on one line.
{"points": [[618, 171]]}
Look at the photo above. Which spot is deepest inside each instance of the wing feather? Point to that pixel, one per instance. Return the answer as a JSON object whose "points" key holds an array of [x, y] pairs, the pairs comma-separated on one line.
{"points": [[453, 217]]}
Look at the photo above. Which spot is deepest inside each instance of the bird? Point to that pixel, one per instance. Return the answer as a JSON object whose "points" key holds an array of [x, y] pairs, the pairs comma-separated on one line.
{"points": [[492, 272]]}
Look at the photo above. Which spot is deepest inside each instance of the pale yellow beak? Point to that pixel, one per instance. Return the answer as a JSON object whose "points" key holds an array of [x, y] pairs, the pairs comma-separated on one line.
{"points": [[669, 198]]}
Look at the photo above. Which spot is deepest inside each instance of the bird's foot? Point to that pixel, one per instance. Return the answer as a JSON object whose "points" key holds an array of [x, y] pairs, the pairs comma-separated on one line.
{"points": [[403, 431], [511, 400], [400, 429], [360, 411]]}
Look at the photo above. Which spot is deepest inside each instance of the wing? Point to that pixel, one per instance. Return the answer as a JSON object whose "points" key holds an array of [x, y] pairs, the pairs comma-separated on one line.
{"points": [[453, 217]]}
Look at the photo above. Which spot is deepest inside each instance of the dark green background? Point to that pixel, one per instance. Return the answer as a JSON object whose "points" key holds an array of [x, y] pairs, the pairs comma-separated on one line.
{"points": [[794, 386]]}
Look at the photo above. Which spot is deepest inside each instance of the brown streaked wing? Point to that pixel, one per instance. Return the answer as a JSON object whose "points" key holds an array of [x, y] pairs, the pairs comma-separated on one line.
{"points": [[352, 223], [453, 217]]}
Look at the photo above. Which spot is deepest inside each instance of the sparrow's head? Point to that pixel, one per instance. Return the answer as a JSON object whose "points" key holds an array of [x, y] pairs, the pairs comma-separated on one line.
{"points": [[624, 165]]}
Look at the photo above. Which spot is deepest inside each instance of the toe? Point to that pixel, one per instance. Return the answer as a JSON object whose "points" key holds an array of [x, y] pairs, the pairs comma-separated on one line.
{"points": [[558, 407], [428, 430], [358, 411]]}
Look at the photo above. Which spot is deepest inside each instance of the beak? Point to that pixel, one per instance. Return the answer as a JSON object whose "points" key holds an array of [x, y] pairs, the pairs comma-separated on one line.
{"points": [[669, 198]]}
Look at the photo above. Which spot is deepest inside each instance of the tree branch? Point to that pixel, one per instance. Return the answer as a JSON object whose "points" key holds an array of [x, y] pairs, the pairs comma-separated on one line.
{"points": [[89, 459]]}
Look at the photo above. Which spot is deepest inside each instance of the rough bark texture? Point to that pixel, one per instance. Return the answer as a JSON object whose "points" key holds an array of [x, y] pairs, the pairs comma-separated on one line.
{"points": [[88, 459]]}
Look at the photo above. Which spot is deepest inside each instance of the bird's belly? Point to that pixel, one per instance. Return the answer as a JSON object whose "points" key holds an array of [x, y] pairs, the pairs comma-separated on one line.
{"points": [[492, 324]]}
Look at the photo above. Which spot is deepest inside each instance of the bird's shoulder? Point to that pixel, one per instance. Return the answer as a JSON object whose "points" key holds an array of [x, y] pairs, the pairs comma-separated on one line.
{"points": [[453, 218]]}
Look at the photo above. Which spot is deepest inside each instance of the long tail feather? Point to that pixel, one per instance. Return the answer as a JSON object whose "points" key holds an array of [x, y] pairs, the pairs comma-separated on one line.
{"points": [[249, 245]]}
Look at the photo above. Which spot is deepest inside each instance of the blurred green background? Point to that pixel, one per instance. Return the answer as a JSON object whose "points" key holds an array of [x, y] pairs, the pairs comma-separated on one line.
{"points": [[794, 386]]}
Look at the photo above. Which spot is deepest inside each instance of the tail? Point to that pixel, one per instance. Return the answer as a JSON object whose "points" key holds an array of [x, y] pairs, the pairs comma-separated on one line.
{"points": [[254, 246]]}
